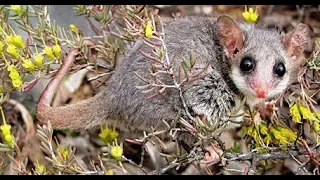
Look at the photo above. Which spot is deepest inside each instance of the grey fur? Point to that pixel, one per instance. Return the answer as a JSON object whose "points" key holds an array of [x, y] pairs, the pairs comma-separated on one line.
{"points": [[189, 35]]}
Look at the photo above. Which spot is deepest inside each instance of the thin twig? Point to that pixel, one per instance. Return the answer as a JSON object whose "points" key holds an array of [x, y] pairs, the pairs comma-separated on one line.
{"points": [[310, 154], [165, 168], [264, 156], [137, 165]]}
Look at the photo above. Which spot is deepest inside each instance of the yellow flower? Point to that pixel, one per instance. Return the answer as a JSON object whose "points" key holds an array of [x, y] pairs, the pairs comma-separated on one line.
{"points": [[306, 113], [41, 169], [250, 16], [38, 59], [116, 152], [316, 126], [250, 130], [255, 135], [15, 40], [16, 83], [108, 172], [56, 50], [16, 8], [283, 140], [15, 76], [18, 41], [107, 135], [80, 7], [317, 114], [28, 64], [64, 152], [10, 39], [263, 129], [295, 113], [276, 134], [73, 28], [13, 72], [5, 128], [287, 133], [48, 51], [253, 131], [148, 30], [11, 49], [6, 133], [267, 140], [1, 47], [9, 139]]}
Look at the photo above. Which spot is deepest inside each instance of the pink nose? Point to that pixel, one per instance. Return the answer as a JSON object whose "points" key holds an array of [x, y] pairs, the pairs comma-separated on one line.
{"points": [[261, 94], [261, 89]]}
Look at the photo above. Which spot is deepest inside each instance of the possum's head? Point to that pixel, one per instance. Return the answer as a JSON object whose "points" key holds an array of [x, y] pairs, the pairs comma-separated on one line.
{"points": [[261, 60]]}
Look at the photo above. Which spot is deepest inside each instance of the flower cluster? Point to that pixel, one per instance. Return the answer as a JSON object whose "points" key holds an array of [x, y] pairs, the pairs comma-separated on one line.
{"points": [[53, 52], [19, 59], [29, 65], [11, 47], [109, 136], [300, 113], [262, 134], [15, 76], [14, 43]]}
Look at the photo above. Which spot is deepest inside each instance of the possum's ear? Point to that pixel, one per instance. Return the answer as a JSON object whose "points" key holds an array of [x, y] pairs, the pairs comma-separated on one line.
{"points": [[230, 35], [297, 40]]}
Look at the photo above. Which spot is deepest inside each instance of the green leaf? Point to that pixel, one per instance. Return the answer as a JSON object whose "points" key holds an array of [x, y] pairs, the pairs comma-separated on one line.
{"points": [[186, 67], [5, 14], [192, 60]]}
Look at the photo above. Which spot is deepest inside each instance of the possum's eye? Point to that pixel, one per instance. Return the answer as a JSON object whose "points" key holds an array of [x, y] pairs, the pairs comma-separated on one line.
{"points": [[280, 69], [246, 64]]}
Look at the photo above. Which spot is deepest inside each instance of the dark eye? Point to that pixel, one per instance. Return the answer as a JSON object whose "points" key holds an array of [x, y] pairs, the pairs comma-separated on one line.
{"points": [[246, 65], [280, 70]]}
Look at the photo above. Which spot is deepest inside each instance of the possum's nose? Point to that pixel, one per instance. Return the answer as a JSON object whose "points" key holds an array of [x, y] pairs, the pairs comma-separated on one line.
{"points": [[261, 89], [261, 93]]}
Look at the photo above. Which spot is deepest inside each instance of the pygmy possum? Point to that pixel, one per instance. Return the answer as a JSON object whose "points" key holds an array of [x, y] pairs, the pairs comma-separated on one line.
{"points": [[242, 60]]}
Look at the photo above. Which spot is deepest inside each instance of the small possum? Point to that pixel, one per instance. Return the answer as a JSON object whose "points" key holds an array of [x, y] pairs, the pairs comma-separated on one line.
{"points": [[243, 60]]}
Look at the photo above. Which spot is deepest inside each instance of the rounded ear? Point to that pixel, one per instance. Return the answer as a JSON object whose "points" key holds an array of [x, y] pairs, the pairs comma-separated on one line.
{"points": [[229, 34], [297, 40]]}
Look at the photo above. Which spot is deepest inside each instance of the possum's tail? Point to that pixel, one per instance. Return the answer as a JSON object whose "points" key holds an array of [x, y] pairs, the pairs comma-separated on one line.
{"points": [[74, 116]]}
